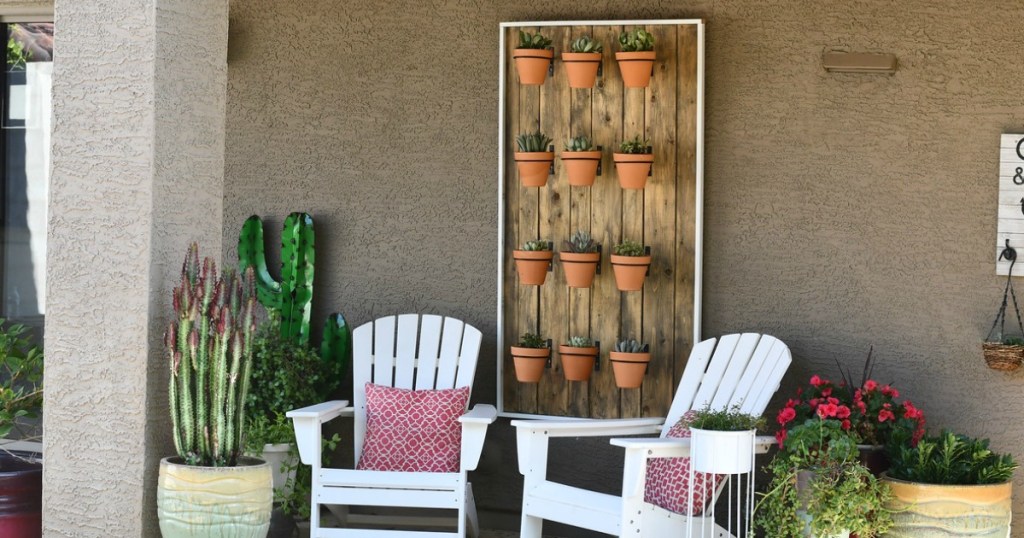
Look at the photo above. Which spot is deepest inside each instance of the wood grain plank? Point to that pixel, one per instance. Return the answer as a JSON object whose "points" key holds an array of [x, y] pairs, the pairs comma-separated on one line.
{"points": [[686, 195], [658, 227], [510, 287]]}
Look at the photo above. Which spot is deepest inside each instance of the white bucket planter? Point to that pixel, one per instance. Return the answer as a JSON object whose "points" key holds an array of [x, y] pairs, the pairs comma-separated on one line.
{"points": [[277, 455], [721, 452]]}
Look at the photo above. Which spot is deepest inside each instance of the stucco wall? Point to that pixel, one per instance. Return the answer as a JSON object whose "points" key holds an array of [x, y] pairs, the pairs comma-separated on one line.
{"points": [[842, 211]]}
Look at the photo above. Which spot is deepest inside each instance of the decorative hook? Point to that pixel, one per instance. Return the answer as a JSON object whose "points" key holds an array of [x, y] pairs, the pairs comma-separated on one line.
{"points": [[1009, 252]]}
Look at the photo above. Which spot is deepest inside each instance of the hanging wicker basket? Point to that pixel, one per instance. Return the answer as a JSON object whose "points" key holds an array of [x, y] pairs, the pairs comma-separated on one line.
{"points": [[1003, 357], [1002, 353]]}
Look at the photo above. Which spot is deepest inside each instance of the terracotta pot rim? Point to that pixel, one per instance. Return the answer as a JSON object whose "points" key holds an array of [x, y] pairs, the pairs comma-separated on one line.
{"points": [[585, 57], [533, 53], [636, 358], [617, 259], [584, 351], [923, 485], [533, 353], [580, 155], [532, 254], [579, 257], [534, 156], [644, 55], [633, 157]]}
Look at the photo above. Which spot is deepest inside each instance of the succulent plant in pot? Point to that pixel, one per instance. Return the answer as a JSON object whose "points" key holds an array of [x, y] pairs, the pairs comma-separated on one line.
{"points": [[533, 58], [630, 262], [580, 256], [583, 61], [636, 57], [633, 163], [629, 363], [581, 160], [530, 357], [533, 262], [533, 158], [578, 357]]}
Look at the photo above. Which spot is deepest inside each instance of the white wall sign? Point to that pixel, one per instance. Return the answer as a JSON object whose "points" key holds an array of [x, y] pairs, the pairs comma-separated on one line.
{"points": [[1011, 202]]}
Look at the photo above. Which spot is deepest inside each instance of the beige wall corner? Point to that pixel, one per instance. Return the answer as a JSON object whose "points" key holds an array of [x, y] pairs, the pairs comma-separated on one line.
{"points": [[139, 97]]}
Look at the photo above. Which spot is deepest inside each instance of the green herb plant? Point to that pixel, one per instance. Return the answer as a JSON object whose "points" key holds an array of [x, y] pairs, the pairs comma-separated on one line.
{"points": [[585, 44], [580, 341], [637, 40], [580, 242], [21, 379], [637, 146], [726, 420], [952, 459], [17, 55], [629, 248], [534, 341], [533, 41], [533, 142], [579, 143], [536, 246], [630, 346]]}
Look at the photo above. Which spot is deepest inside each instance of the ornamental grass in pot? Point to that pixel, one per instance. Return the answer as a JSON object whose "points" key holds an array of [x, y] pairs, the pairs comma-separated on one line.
{"points": [[210, 488], [629, 363], [21, 399], [533, 160], [578, 358], [636, 58], [582, 62], [581, 161], [533, 262], [533, 58], [580, 257], [630, 262], [530, 357], [633, 163], [722, 440]]}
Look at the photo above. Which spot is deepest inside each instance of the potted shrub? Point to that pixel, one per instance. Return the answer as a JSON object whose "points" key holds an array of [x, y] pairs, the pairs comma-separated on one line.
{"points": [[532, 262], [582, 62], [630, 262], [580, 159], [21, 397], [636, 59], [629, 363], [533, 159], [819, 488], [530, 357], [722, 441], [580, 256], [633, 163], [578, 356], [533, 58], [952, 482], [210, 488]]}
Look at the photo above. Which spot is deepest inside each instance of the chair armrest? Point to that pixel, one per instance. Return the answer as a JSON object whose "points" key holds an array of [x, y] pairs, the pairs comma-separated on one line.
{"points": [[474, 430], [589, 428], [307, 421]]}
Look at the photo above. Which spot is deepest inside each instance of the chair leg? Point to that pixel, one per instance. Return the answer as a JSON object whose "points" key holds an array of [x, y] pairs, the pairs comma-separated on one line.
{"points": [[473, 526], [530, 527], [314, 518]]}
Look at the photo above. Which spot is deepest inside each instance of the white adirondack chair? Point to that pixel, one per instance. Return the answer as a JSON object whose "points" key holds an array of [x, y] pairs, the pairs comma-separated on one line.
{"points": [[385, 352], [743, 370]]}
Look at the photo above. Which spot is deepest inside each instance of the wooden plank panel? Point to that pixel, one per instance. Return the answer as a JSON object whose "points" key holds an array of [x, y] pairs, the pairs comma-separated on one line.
{"points": [[553, 391], [606, 220], [511, 391], [658, 226], [686, 195]]}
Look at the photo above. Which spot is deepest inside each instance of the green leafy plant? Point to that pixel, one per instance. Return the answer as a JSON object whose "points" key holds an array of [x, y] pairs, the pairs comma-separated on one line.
{"points": [[631, 346], [533, 41], [579, 143], [579, 341], [297, 504], [17, 55], [21, 378], [533, 142], [952, 459], [1013, 341], [586, 44], [726, 420], [817, 472], [536, 246], [629, 248], [580, 242], [637, 146], [637, 40], [267, 431], [534, 341]]}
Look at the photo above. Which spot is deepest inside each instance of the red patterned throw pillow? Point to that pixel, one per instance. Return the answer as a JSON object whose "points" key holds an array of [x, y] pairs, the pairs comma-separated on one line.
{"points": [[413, 430], [668, 478]]}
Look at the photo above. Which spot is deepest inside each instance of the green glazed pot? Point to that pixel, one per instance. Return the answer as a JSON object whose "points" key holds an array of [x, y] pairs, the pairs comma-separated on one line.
{"points": [[203, 502]]}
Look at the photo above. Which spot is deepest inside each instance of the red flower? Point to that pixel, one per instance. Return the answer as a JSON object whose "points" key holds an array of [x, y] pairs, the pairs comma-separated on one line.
{"points": [[792, 403], [870, 385], [833, 401], [813, 402], [846, 424], [885, 414], [815, 380], [786, 415], [862, 407], [827, 410], [780, 436], [843, 412], [826, 392], [889, 391]]}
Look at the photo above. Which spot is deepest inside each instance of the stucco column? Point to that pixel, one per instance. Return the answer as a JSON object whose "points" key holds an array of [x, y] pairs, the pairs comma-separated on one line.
{"points": [[138, 173]]}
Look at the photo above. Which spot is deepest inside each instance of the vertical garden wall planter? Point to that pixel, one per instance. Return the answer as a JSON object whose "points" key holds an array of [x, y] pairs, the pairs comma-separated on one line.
{"points": [[581, 68], [636, 68], [633, 169], [629, 368], [533, 65], [581, 167], [577, 362], [530, 362], [532, 266], [579, 268], [630, 271], [534, 167]]}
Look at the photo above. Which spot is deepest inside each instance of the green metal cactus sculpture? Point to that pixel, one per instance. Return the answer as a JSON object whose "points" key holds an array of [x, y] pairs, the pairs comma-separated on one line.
{"points": [[210, 350], [292, 296]]}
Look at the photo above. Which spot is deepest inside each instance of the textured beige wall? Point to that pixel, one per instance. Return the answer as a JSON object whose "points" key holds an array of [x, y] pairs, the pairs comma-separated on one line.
{"points": [[139, 99], [842, 211]]}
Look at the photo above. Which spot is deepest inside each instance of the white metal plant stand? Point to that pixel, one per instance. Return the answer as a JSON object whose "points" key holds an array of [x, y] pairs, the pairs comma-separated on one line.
{"points": [[729, 457]]}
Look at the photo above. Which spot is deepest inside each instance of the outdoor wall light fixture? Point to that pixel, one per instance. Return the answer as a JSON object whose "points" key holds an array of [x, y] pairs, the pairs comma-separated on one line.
{"points": [[859, 62]]}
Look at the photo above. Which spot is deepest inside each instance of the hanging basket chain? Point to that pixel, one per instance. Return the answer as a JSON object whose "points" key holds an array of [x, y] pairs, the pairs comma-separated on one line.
{"points": [[1000, 320]]}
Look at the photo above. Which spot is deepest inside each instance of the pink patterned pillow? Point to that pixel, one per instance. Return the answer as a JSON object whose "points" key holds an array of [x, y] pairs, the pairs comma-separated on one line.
{"points": [[413, 430], [667, 478]]}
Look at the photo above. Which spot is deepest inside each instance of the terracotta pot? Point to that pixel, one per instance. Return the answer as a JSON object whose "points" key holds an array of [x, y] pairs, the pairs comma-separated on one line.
{"points": [[530, 362], [534, 167], [21, 495], [630, 271], [581, 166], [629, 368], [577, 362], [633, 169], [579, 268], [581, 68], [194, 501], [532, 265], [975, 511], [532, 65], [636, 68]]}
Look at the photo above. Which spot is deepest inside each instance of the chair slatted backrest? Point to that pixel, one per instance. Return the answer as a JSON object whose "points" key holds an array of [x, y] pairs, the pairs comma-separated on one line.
{"points": [[411, 351], [743, 369]]}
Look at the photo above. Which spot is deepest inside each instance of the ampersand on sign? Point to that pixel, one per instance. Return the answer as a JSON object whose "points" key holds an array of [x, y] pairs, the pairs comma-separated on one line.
{"points": [[1018, 179]]}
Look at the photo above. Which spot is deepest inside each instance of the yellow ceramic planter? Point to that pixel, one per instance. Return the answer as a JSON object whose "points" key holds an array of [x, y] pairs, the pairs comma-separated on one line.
{"points": [[940, 511], [226, 502]]}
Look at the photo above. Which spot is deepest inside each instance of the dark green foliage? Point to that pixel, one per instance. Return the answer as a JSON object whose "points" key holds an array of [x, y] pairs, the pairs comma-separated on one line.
{"points": [[579, 341], [637, 146], [952, 459], [533, 142], [726, 420], [637, 40], [21, 377], [586, 44], [536, 246], [580, 243], [629, 248], [631, 346], [579, 143], [533, 341], [533, 41]]}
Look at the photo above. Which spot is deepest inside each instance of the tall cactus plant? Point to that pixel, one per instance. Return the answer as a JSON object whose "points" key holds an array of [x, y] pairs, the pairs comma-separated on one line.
{"points": [[292, 296], [210, 349]]}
